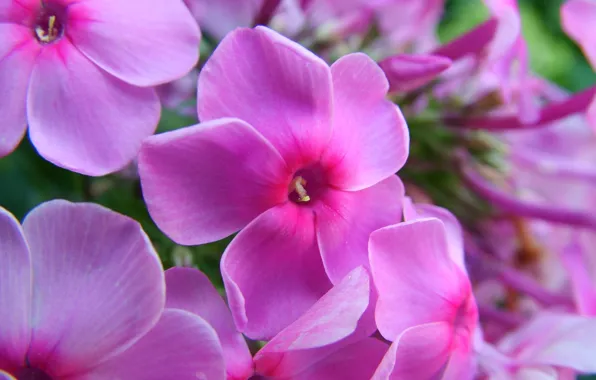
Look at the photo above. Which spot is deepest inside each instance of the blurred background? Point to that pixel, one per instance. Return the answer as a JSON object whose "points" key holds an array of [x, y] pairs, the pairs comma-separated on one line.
{"points": [[27, 180]]}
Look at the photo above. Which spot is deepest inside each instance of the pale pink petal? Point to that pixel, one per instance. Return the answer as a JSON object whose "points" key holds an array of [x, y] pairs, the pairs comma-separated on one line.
{"points": [[420, 352], [181, 346], [19, 12], [189, 289], [279, 87], [411, 266], [455, 238], [508, 29], [536, 373], [577, 20], [370, 138], [562, 340], [97, 285], [6, 376], [273, 272], [18, 51], [219, 17], [319, 332], [15, 292], [356, 361], [407, 72], [205, 182], [583, 288], [144, 44], [83, 119], [462, 363], [346, 219], [591, 113]]}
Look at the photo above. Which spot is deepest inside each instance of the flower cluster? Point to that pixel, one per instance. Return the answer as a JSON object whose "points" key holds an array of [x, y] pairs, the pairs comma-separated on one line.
{"points": [[401, 208]]}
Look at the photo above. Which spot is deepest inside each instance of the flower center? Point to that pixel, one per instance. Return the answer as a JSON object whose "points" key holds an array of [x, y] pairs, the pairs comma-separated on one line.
{"points": [[49, 26], [307, 185], [32, 374]]}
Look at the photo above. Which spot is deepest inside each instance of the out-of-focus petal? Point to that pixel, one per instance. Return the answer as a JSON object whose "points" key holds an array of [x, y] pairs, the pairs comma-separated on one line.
{"points": [[346, 220], [159, 44], [181, 346], [15, 292], [273, 272], [407, 72], [370, 139], [420, 352], [97, 286], [81, 118], [274, 84], [206, 182], [18, 51], [189, 289], [219, 17], [319, 332], [577, 20]]}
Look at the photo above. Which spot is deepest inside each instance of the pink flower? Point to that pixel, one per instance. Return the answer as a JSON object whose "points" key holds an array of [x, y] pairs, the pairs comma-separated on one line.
{"points": [[425, 305], [300, 154], [329, 340], [219, 17], [82, 296], [550, 346], [80, 73]]}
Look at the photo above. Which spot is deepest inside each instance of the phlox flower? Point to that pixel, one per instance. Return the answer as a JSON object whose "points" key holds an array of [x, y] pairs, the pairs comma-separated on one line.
{"points": [[329, 341], [82, 296], [80, 75], [219, 17], [298, 155], [550, 346], [425, 306]]}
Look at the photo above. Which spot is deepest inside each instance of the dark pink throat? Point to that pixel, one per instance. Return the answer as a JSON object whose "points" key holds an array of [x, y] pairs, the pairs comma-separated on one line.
{"points": [[32, 374], [50, 24], [308, 185]]}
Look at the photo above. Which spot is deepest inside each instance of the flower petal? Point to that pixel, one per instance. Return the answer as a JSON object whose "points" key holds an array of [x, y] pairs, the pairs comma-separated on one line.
{"points": [[205, 182], [407, 72], [420, 352], [319, 332], [97, 286], [181, 346], [346, 220], [17, 57], [411, 266], [370, 139], [157, 45], [279, 87], [577, 20], [82, 119], [273, 272], [189, 289], [220, 17], [15, 292]]}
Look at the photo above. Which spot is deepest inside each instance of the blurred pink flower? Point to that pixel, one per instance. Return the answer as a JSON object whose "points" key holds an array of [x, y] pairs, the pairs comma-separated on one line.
{"points": [[82, 296], [549, 346], [307, 166], [219, 17], [327, 341], [426, 306], [80, 75]]}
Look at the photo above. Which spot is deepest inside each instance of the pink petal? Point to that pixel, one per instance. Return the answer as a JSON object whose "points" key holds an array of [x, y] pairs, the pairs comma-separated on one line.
{"points": [[219, 17], [370, 138], [411, 266], [420, 352], [205, 182], [407, 72], [354, 362], [273, 272], [189, 289], [346, 220], [181, 346], [6, 376], [158, 45], [562, 340], [319, 331], [279, 87], [82, 119], [18, 51], [577, 20], [455, 238], [583, 289], [97, 286], [15, 292], [19, 12]]}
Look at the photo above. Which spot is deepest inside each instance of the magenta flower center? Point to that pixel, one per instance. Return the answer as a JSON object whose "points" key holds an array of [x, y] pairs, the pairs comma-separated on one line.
{"points": [[49, 26], [32, 374], [307, 185]]}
